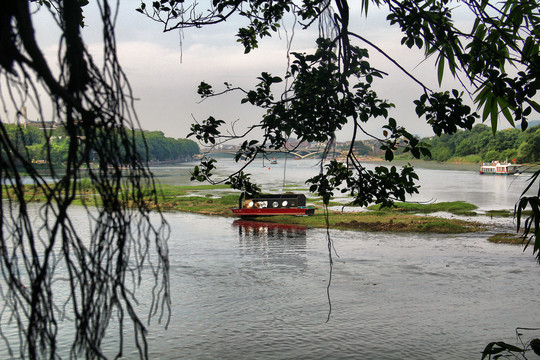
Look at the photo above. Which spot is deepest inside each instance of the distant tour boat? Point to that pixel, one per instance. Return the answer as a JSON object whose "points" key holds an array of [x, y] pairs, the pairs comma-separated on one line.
{"points": [[498, 168], [273, 161], [272, 205]]}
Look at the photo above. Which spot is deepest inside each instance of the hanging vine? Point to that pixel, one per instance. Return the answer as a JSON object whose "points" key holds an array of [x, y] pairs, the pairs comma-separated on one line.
{"points": [[42, 249]]}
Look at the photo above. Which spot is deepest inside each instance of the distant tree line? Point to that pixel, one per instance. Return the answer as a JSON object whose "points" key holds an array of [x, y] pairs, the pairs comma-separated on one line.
{"points": [[162, 148], [480, 145], [32, 141], [362, 149]]}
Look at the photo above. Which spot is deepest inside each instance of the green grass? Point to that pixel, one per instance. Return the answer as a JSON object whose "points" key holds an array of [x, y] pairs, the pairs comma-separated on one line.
{"points": [[319, 202], [182, 190], [200, 204], [506, 238], [379, 221], [472, 159], [507, 213], [295, 187], [500, 213], [454, 207], [200, 199]]}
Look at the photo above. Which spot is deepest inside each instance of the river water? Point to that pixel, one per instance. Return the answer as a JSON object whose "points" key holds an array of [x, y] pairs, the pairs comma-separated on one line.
{"points": [[242, 290], [438, 182]]}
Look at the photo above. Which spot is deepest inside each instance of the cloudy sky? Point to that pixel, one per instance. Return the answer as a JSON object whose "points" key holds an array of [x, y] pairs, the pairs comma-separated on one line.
{"points": [[165, 68]]}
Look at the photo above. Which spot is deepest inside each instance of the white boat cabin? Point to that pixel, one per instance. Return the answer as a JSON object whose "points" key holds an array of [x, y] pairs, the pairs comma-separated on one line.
{"points": [[498, 168]]}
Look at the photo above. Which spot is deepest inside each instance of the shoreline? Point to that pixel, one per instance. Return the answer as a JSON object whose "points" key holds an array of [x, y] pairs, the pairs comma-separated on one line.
{"points": [[218, 200], [206, 202]]}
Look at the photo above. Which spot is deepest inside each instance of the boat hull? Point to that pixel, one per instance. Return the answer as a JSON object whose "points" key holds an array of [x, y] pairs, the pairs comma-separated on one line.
{"points": [[250, 212], [498, 173]]}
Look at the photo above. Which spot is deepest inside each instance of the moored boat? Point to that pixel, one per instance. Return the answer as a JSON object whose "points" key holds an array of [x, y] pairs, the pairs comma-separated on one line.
{"points": [[498, 168], [272, 205]]}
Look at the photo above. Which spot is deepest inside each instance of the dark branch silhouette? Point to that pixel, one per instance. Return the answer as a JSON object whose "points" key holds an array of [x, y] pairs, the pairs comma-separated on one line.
{"points": [[42, 250]]}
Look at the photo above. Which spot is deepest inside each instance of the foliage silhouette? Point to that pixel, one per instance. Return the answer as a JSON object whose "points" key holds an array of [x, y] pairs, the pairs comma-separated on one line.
{"points": [[42, 250]]}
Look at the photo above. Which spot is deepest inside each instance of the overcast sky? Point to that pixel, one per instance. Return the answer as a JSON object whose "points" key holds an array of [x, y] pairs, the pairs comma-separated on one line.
{"points": [[164, 75]]}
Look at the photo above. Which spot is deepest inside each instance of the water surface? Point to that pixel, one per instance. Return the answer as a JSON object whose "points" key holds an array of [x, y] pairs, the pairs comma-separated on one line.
{"points": [[243, 290]]}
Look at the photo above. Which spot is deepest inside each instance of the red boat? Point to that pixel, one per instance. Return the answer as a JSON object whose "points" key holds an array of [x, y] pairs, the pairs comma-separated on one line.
{"points": [[272, 205]]}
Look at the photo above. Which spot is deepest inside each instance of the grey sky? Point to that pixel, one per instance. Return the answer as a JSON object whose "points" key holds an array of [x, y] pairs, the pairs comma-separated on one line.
{"points": [[165, 85]]}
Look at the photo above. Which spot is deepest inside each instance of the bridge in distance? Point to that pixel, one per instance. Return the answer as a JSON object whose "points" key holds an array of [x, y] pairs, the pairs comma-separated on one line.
{"points": [[300, 153]]}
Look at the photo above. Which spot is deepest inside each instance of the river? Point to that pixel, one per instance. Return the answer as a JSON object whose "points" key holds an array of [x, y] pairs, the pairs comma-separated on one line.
{"points": [[251, 291], [242, 290]]}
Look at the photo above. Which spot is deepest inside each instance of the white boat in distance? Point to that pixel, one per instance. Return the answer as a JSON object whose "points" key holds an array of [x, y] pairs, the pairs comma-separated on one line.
{"points": [[498, 168]]}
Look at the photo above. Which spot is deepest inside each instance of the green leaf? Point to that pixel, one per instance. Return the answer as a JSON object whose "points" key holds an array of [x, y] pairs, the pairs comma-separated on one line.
{"points": [[389, 155], [441, 69], [482, 97], [494, 114], [425, 152], [365, 6], [487, 106], [506, 111], [535, 105], [498, 347]]}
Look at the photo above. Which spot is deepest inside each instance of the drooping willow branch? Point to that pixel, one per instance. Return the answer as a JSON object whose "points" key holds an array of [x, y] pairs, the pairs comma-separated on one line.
{"points": [[53, 268]]}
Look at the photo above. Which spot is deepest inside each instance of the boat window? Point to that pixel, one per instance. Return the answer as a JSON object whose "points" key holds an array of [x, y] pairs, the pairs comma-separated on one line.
{"points": [[284, 203], [275, 204]]}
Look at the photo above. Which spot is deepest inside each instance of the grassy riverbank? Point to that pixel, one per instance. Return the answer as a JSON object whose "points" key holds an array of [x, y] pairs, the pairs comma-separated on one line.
{"points": [[208, 200], [218, 200], [380, 221], [454, 207]]}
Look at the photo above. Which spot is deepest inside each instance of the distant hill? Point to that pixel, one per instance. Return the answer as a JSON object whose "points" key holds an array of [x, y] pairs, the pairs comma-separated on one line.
{"points": [[481, 145]]}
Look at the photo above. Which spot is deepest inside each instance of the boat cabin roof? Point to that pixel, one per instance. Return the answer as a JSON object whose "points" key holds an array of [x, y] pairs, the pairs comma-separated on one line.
{"points": [[297, 199]]}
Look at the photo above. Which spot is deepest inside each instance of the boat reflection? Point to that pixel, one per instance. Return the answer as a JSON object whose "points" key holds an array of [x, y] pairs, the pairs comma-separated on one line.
{"points": [[249, 228], [267, 244]]}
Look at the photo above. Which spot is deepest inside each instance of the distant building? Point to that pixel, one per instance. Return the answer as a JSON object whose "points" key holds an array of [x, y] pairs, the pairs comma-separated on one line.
{"points": [[42, 125]]}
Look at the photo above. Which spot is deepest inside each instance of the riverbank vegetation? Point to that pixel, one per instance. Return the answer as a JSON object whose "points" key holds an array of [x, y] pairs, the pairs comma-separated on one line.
{"points": [[506, 238], [480, 145], [381, 221], [218, 200], [453, 207], [199, 200]]}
